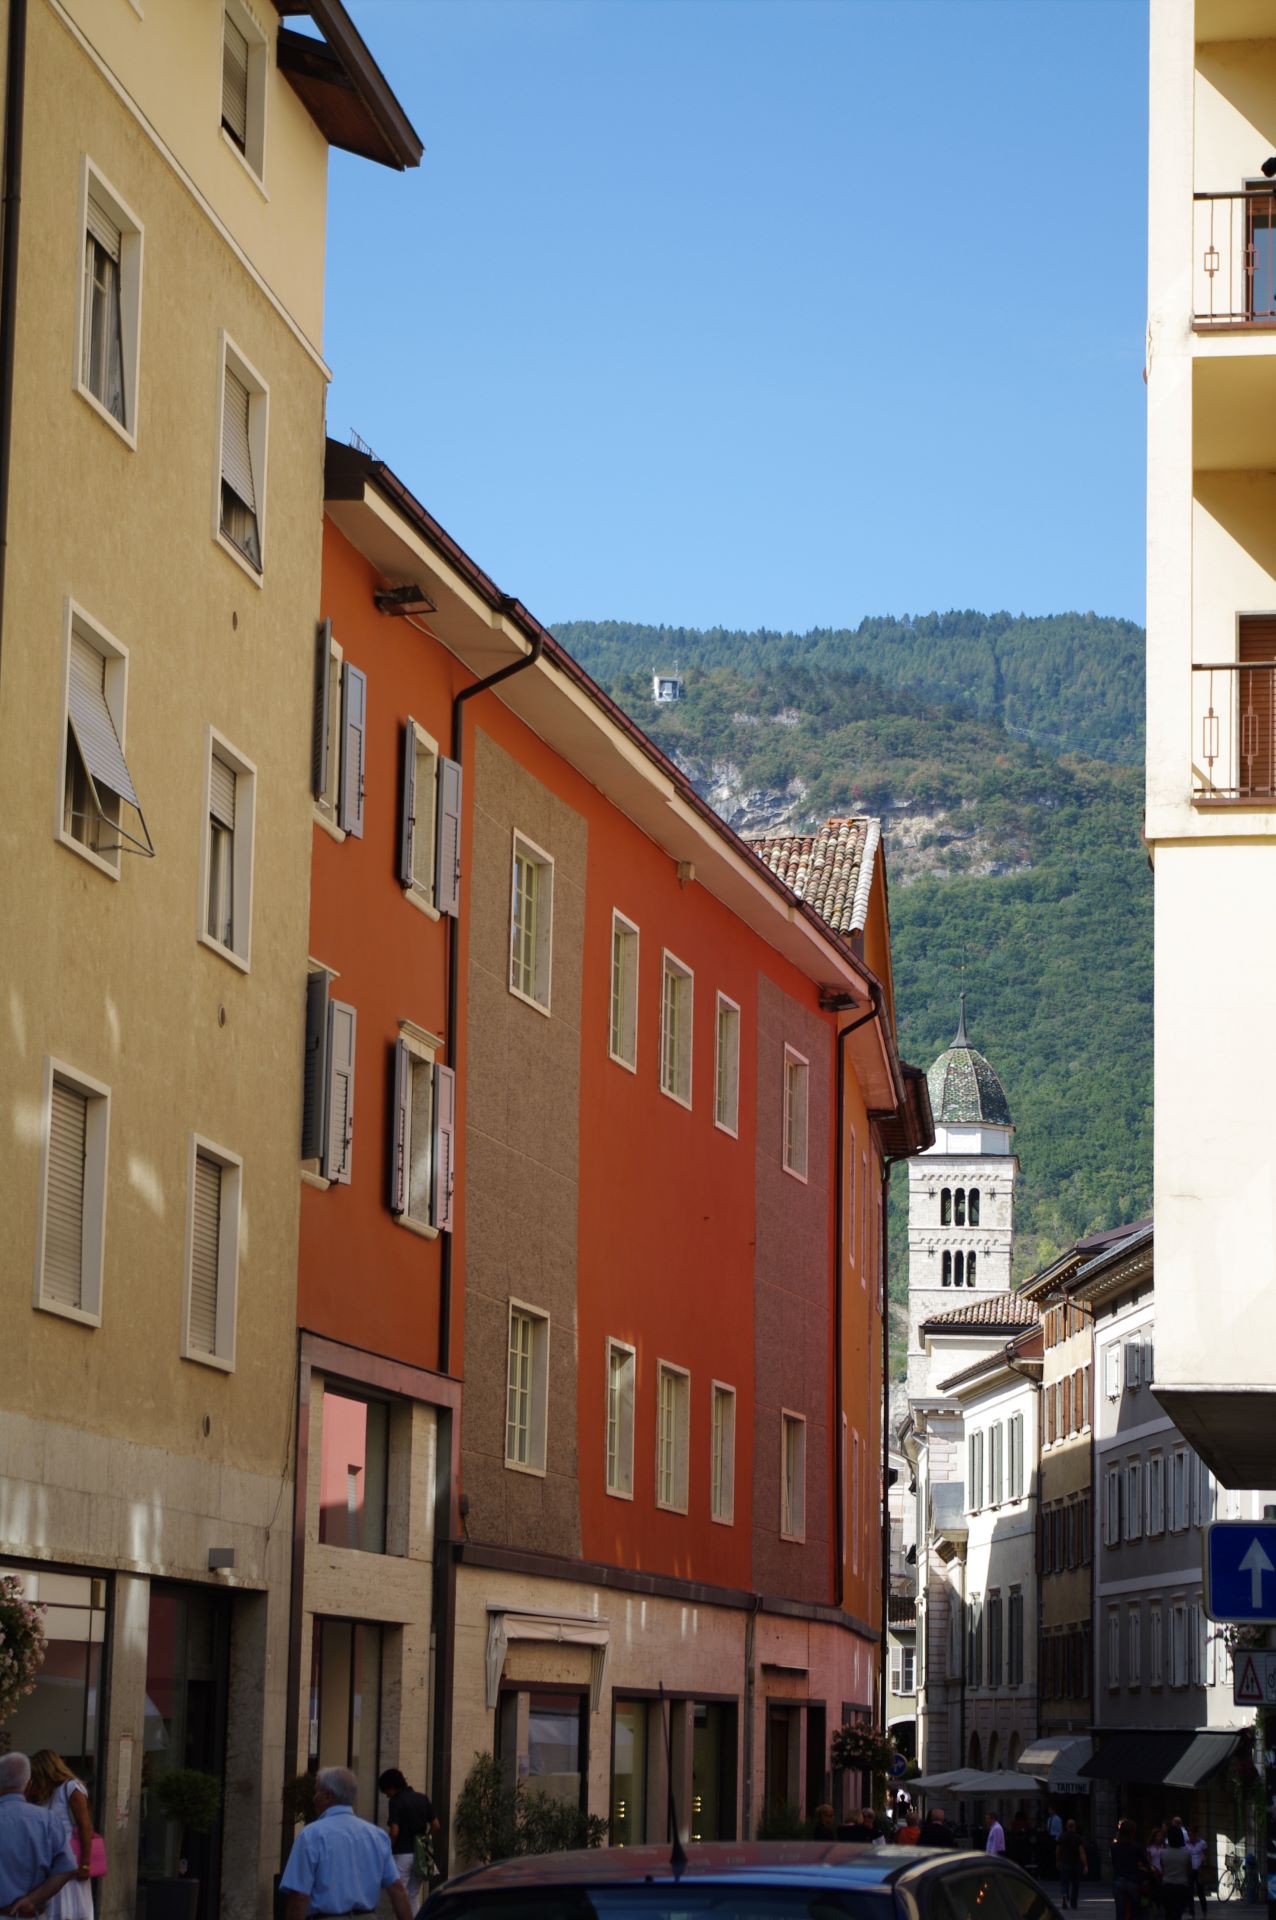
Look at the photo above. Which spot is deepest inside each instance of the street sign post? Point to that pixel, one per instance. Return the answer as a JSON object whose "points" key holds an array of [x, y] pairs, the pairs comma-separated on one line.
{"points": [[1254, 1678], [1240, 1572]]}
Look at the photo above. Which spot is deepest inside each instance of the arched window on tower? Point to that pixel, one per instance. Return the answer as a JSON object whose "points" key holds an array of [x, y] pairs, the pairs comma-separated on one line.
{"points": [[948, 1268], [959, 1207], [972, 1206], [958, 1260], [970, 1269], [946, 1207]]}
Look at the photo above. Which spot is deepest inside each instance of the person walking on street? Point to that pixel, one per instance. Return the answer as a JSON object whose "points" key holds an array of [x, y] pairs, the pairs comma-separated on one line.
{"points": [[1196, 1851], [1070, 1858], [409, 1819], [1176, 1874], [34, 1863], [340, 1863], [862, 1828], [825, 1827], [936, 1831], [1129, 1870], [1054, 1834], [996, 1841], [53, 1785]]}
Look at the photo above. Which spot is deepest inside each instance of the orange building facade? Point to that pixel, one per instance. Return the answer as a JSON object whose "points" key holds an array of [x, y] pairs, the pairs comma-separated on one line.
{"points": [[592, 1247]]}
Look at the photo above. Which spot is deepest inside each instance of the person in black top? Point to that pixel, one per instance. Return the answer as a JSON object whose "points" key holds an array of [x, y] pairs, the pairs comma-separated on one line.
{"points": [[409, 1818], [863, 1827], [936, 1831], [1130, 1869]]}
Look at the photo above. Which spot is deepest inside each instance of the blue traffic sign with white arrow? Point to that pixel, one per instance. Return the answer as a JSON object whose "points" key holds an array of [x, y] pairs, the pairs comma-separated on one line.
{"points": [[1240, 1571]]}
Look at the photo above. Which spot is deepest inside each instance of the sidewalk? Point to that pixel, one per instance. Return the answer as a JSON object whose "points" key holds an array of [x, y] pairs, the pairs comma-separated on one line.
{"points": [[1096, 1900]]}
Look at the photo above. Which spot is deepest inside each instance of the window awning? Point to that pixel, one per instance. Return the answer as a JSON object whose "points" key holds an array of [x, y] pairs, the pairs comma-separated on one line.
{"points": [[96, 739], [1181, 1759], [562, 1629], [1057, 1763]]}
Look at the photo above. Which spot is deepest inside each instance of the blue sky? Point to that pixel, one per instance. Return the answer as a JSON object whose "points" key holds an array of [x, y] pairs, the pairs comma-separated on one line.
{"points": [[759, 312]]}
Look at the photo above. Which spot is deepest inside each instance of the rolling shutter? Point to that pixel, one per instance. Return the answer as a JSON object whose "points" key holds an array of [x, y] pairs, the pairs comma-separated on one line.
{"points": [[92, 724], [407, 808], [444, 1148], [323, 701], [447, 865], [315, 1070], [221, 792], [1257, 745], [340, 1101], [62, 1277], [402, 1095], [237, 458], [354, 722], [103, 229], [206, 1233], [235, 81]]}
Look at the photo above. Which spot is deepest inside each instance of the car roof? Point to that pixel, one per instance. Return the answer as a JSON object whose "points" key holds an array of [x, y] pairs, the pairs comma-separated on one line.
{"points": [[778, 1862]]}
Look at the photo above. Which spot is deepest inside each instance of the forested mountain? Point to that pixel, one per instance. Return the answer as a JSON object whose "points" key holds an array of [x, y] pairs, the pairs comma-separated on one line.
{"points": [[1002, 756]]}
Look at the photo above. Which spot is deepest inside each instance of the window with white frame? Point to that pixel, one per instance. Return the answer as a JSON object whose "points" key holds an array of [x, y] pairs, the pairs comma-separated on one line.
{"points": [[327, 1122], [850, 1201], [422, 1133], [1016, 1456], [1180, 1491], [1156, 1644], [726, 1097], [531, 923], [241, 496], [1114, 1647], [677, 987], [244, 85], [325, 736], [429, 824], [1133, 1515], [797, 1074], [527, 1388], [975, 1471], [109, 329], [792, 1476], [96, 785], [722, 1483], [1133, 1352], [1112, 1370], [1112, 1507], [1134, 1649], [864, 1220], [1156, 1494], [905, 1675], [673, 1433], [996, 1462], [621, 1370], [1178, 1644], [227, 863], [212, 1254], [76, 1122], [622, 1022]]}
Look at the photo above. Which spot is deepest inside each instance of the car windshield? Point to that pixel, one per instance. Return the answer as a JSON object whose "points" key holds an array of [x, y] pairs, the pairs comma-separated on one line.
{"points": [[666, 1900]]}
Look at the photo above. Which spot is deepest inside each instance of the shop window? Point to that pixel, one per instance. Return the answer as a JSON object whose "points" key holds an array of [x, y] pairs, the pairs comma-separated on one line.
{"points": [[629, 1748], [345, 1704], [62, 1710], [354, 1459], [552, 1754], [187, 1683], [713, 1771]]}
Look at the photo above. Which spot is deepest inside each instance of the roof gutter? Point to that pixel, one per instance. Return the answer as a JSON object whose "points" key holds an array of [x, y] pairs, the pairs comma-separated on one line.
{"points": [[839, 1229], [14, 106]]}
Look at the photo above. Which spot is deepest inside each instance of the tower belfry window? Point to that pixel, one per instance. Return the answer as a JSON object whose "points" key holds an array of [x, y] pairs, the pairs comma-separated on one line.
{"points": [[959, 1263], [948, 1268], [970, 1269], [959, 1207], [972, 1206], [946, 1207]]}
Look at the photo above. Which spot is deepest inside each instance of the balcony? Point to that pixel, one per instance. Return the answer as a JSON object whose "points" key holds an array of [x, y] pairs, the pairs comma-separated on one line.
{"points": [[1234, 734], [1234, 259]]}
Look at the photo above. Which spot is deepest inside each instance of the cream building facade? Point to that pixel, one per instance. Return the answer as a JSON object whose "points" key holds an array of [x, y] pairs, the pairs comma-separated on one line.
{"points": [[1211, 793], [163, 552]]}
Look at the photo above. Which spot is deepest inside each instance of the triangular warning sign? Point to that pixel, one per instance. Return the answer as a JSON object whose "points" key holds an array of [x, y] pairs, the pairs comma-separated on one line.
{"points": [[1248, 1685]]}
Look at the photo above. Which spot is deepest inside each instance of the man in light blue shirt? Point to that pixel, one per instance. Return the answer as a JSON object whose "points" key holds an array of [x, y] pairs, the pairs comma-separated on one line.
{"points": [[340, 1863], [33, 1862]]}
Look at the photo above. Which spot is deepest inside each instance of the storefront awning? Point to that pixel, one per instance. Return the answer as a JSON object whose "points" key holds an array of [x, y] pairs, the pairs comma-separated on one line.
{"points": [[1182, 1759], [562, 1629], [1056, 1763]]}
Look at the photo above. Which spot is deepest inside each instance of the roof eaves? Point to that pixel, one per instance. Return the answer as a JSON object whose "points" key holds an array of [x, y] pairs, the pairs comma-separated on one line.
{"points": [[864, 887], [400, 144]]}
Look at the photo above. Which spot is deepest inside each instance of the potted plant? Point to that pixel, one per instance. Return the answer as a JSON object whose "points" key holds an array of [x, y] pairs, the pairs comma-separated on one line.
{"points": [[190, 1799], [21, 1644]]}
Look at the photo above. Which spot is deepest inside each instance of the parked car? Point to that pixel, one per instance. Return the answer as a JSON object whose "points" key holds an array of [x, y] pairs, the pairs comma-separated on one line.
{"points": [[746, 1880]]}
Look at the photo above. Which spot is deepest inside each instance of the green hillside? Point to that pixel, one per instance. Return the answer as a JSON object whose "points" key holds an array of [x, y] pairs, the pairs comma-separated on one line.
{"points": [[1011, 802]]}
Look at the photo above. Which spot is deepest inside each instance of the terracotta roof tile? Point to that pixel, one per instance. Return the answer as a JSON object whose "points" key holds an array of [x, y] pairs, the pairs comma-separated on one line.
{"points": [[832, 869], [990, 1310]]}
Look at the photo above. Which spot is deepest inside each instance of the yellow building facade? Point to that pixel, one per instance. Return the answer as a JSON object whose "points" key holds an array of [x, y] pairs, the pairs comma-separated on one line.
{"points": [[157, 656]]}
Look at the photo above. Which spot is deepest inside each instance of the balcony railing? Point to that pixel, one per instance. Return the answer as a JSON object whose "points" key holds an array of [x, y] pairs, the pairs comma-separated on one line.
{"points": [[1234, 732], [1233, 249]]}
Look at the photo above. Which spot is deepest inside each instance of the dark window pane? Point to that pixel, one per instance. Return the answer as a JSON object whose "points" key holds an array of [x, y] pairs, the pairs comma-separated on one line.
{"points": [[352, 1488]]}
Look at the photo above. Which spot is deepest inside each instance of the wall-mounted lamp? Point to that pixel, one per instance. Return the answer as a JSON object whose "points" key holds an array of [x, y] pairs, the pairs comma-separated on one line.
{"points": [[221, 1559], [404, 600]]}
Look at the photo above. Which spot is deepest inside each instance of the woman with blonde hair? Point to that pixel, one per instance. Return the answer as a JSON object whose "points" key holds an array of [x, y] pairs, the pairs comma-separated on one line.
{"points": [[53, 1785]]}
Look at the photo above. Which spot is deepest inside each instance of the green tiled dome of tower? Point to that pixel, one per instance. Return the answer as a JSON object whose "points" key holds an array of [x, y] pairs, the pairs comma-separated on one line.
{"points": [[964, 1090]]}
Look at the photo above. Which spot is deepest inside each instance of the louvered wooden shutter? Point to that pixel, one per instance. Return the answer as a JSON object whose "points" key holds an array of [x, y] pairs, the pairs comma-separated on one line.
{"points": [[323, 699], [441, 1207], [103, 229], [221, 792], [354, 723], [206, 1234], [447, 865], [62, 1279], [340, 1114], [235, 81], [92, 723], [407, 808], [1256, 770], [401, 1099], [237, 457], [315, 1072]]}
